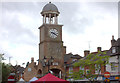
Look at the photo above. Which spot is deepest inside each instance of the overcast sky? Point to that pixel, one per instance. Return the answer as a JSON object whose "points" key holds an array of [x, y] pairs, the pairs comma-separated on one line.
{"points": [[86, 27]]}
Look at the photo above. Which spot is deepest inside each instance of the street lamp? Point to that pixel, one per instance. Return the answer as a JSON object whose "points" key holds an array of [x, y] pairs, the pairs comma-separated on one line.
{"points": [[48, 62]]}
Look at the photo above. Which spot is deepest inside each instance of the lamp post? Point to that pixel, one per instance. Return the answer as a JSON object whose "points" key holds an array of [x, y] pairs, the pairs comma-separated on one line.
{"points": [[48, 62]]}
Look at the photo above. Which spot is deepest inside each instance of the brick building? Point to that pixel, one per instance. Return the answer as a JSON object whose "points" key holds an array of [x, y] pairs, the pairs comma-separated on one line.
{"points": [[114, 60], [71, 67]]}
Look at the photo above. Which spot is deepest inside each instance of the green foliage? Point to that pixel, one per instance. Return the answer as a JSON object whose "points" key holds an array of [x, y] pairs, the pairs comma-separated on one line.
{"points": [[93, 62], [5, 71], [77, 75]]}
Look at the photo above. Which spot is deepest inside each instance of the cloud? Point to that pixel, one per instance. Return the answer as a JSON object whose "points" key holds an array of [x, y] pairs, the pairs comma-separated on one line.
{"points": [[72, 23], [76, 17], [96, 22], [17, 24], [19, 31], [14, 31], [83, 22]]}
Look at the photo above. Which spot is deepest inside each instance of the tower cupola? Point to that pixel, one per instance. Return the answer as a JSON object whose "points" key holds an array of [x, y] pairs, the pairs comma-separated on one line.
{"points": [[50, 14]]}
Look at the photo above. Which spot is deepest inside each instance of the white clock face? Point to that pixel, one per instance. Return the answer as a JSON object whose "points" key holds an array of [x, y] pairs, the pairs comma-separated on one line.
{"points": [[53, 33]]}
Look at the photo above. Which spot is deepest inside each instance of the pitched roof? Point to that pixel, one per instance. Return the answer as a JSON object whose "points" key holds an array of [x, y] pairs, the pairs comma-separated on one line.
{"points": [[19, 68], [69, 56], [50, 77]]}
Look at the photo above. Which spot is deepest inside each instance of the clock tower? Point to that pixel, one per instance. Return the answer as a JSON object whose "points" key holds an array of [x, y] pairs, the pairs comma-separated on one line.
{"points": [[51, 44]]}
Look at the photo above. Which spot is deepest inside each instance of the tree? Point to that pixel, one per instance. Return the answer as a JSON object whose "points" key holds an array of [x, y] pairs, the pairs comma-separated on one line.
{"points": [[93, 62], [5, 72]]}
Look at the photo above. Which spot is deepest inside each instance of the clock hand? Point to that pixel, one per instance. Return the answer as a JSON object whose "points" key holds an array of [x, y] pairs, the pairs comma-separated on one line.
{"points": [[54, 33]]}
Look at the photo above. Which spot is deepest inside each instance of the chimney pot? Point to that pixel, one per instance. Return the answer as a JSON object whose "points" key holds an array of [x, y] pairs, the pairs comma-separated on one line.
{"points": [[32, 59], [86, 52], [112, 37], [64, 49], [98, 49], [113, 41]]}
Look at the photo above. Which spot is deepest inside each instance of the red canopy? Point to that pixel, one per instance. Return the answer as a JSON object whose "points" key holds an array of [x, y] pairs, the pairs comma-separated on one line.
{"points": [[49, 78]]}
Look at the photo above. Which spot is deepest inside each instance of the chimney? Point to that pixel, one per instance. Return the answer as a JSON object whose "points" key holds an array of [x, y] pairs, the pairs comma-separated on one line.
{"points": [[112, 37], [32, 59], [99, 49], [113, 41], [64, 50], [86, 52]]}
